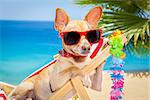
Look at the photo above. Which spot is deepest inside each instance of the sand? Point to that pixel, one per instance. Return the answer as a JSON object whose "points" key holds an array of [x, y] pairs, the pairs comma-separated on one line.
{"points": [[134, 88]]}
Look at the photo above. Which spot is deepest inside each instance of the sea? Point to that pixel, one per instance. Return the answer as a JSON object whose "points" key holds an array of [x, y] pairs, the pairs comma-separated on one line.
{"points": [[26, 46]]}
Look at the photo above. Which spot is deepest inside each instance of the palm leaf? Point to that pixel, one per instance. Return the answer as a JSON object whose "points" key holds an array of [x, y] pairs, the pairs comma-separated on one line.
{"points": [[130, 16], [125, 15], [140, 49]]}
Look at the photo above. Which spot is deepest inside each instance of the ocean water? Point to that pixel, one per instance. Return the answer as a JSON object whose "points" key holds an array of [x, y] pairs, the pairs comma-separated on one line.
{"points": [[25, 46]]}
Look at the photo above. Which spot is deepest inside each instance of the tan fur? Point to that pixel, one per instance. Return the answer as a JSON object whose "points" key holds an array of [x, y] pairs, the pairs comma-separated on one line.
{"points": [[75, 25], [55, 76]]}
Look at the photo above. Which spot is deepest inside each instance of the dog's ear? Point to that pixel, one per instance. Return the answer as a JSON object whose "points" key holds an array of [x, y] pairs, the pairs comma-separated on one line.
{"points": [[94, 16], [61, 19]]}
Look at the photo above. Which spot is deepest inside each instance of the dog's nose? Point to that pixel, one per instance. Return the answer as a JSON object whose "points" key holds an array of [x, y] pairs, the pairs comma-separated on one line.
{"points": [[85, 48]]}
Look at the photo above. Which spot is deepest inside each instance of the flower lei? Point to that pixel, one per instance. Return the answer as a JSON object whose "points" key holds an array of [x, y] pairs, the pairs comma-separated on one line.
{"points": [[117, 71]]}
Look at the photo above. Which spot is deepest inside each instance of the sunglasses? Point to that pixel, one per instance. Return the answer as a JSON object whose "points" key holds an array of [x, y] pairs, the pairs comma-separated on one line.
{"points": [[73, 37]]}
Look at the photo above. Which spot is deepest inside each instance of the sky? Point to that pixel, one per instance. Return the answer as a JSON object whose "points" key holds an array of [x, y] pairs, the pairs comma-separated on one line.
{"points": [[39, 9]]}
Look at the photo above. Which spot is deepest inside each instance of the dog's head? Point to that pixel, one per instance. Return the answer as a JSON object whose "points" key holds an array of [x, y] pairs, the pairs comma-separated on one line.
{"points": [[79, 45]]}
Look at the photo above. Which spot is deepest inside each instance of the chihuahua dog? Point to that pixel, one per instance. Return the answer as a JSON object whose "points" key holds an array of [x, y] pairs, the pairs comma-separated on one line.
{"points": [[78, 37]]}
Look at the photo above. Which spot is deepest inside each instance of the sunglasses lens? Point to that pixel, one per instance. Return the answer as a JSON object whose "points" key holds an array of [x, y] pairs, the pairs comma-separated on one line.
{"points": [[71, 38], [93, 36]]}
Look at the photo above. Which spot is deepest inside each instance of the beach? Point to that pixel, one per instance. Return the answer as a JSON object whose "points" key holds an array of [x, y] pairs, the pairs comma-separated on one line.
{"points": [[135, 88]]}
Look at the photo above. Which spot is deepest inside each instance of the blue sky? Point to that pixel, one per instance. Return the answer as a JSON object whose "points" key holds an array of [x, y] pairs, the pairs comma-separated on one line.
{"points": [[39, 9]]}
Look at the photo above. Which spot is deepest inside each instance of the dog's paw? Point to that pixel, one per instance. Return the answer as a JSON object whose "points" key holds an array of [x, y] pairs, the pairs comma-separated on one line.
{"points": [[12, 98], [21, 91], [29, 99], [76, 72], [86, 81], [16, 97]]}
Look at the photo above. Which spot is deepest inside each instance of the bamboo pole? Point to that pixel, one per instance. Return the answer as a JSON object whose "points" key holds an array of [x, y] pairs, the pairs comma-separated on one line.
{"points": [[6, 87], [62, 91], [78, 86]]}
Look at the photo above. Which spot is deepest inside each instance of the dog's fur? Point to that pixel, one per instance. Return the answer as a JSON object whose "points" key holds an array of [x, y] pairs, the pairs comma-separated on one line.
{"points": [[51, 79]]}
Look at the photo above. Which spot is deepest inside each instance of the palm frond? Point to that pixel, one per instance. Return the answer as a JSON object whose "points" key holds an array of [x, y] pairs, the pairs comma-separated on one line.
{"points": [[140, 49], [130, 16]]}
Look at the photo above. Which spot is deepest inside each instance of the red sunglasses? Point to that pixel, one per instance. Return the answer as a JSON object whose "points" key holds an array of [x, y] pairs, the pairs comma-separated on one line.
{"points": [[73, 37]]}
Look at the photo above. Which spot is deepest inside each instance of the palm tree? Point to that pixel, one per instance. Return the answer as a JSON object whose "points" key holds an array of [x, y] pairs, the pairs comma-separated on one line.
{"points": [[130, 16], [140, 49]]}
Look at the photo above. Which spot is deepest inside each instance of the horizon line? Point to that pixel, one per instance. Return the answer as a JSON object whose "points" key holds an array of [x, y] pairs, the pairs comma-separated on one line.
{"points": [[26, 20]]}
